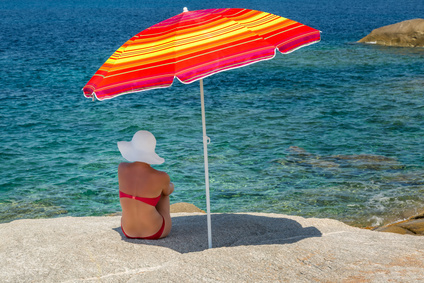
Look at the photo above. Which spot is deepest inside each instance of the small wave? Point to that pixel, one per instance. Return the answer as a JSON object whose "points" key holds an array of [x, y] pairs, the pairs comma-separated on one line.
{"points": [[376, 221]]}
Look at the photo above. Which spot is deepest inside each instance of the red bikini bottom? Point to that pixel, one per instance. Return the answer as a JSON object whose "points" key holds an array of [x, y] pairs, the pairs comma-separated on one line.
{"points": [[152, 237]]}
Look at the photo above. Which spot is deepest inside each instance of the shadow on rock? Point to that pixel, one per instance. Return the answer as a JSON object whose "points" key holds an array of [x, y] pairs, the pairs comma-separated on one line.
{"points": [[189, 233]]}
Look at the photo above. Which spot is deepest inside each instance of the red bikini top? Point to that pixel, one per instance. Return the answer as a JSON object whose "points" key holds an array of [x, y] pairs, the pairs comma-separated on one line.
{"points": [[151, 201]]}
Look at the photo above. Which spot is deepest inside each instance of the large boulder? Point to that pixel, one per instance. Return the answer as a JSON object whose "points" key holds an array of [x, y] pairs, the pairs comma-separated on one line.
{"points": [[248, 247], [405, 34]]}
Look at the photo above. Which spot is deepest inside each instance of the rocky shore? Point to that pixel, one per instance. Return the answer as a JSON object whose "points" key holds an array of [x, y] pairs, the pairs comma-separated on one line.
{"points": [[247, 247]]}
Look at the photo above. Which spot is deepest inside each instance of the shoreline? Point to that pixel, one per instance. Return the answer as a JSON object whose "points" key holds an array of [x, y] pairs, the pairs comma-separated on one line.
{"points": [[412, 225]]}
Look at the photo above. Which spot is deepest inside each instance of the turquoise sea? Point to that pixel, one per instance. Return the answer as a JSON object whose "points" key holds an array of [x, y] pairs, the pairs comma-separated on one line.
{"points": [[332, 130]]}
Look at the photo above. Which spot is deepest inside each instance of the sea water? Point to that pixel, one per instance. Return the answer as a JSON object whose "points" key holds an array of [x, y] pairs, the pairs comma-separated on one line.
{"points": [[335, 129]]}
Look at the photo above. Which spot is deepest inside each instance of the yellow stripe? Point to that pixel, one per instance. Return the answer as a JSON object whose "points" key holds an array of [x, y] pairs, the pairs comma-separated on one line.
{"points": [[117, 73], [163, 46], [218, 33], [217, 50], [209, 62], [169, 54], [160, 47]]}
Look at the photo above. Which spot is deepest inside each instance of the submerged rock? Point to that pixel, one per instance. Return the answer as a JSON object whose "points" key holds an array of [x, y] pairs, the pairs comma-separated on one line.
{"points": [[404, 34], [366, 157], [301, 152], [300, 157], [370, 162]]}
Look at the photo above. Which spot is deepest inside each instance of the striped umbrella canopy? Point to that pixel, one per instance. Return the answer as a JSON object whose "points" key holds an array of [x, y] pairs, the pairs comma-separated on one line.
{"points": [[194, 45]]}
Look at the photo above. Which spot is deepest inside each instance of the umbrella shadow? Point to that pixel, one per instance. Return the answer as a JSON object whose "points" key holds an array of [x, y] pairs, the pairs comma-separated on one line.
{"points": [[189, 233]]}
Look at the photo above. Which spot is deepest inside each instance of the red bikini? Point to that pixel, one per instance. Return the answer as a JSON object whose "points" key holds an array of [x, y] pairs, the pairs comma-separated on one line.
{"points": [[152, 202]]}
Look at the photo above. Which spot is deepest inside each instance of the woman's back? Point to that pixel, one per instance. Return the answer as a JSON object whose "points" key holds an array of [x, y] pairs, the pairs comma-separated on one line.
{"points": [[141, 188], [140, 179]]}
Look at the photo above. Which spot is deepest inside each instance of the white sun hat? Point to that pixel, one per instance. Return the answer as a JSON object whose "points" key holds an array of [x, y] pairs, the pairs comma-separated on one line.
{"points": [[141, 148]]}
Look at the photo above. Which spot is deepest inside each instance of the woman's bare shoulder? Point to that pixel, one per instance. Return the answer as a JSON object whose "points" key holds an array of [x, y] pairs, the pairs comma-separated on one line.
{"points": [[123, 166], [161, 176]]}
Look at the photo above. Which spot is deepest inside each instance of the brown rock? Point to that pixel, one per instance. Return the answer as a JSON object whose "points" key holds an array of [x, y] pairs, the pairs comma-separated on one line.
{"points": [[395, 229], [418, 216], [412, 226], [366, 157], [404, 34], [416, 226], [184, 207]]}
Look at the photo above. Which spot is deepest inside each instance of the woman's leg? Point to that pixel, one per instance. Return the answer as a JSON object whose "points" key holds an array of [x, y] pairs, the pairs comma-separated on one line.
{"points": [[163, 207]]}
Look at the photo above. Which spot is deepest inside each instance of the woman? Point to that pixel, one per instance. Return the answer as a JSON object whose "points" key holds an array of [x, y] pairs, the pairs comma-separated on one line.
{"points": [[143, 191]]}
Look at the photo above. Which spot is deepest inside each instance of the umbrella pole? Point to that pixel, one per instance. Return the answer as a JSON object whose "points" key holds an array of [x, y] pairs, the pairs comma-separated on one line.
{"points": [[206, 141]]}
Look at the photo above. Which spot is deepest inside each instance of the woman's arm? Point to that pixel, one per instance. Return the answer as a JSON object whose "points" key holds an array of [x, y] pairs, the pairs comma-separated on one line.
{"points": [[168, 186], [169, 190]]}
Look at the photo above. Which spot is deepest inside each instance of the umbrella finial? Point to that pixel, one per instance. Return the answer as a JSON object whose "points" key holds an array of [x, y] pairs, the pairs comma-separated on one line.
{"points": [[185, 9]]}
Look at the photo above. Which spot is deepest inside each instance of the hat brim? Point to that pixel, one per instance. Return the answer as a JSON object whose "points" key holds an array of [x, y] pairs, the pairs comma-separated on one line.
{"points": [[131, 154]]}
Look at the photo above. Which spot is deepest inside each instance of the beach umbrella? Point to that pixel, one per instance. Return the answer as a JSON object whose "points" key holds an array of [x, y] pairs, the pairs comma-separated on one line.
{"points": [[191, 46]]}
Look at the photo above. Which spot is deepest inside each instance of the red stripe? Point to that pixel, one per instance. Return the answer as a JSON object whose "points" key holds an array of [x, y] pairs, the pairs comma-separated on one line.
{"points": [[145, 69]]}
